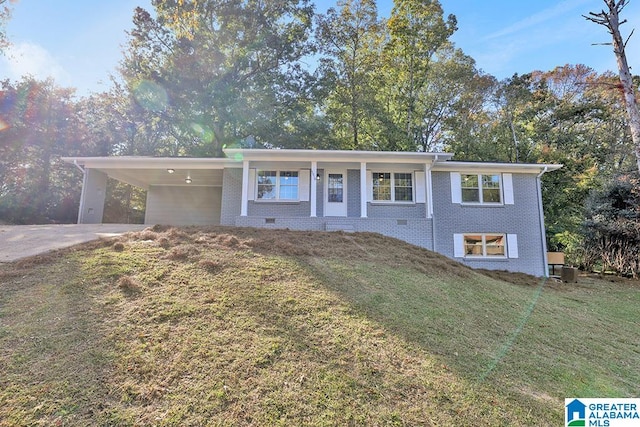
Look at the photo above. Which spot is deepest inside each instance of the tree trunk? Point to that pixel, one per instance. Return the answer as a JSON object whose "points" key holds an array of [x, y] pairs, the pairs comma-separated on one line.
{"points": [[610, 20]]}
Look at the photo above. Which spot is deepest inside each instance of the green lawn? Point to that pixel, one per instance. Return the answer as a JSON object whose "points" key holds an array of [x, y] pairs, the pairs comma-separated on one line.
{"points": [[224, 326]]}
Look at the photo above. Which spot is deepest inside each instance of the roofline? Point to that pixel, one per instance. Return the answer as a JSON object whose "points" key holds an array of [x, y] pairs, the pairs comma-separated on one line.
{"points": [[455, 166], [439, 161], [141, 162], [335, 155]]}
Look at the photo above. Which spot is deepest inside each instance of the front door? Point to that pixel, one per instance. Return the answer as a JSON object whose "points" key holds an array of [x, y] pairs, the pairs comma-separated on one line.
{"points": [[335, 190]]}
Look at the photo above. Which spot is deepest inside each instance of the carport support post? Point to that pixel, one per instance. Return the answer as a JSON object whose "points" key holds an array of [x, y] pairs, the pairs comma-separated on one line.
{"points": [[94, 188]]}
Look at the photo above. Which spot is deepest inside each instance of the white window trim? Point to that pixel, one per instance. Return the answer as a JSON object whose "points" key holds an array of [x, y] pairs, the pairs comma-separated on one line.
{"points": [[393, 188], [484, 246], [277, 199], [480, 193], [506, 189], [510, 247]]}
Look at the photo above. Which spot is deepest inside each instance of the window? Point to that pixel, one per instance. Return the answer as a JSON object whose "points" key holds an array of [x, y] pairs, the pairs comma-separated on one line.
{"points": [[480, 188], [335, 188], [392, 187], [267, 184], [381, 186], [277, 185], [403, 187], [484, 245]]}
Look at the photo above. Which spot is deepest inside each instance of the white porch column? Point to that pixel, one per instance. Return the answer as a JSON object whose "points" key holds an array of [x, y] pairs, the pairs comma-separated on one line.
{"points": [[314, 189], [363, 189], [245, 188], [428, 185]]}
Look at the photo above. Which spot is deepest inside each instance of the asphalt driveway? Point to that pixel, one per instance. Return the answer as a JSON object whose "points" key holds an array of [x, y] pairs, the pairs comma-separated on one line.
{"points": [[21, 241]]}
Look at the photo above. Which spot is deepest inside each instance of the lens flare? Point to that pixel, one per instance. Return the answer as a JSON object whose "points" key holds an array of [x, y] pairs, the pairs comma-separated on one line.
{"points": [[203, 132], [151, 96]]}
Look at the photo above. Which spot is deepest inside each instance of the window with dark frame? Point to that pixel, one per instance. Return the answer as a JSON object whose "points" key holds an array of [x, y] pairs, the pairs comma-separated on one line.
{"points": [[481, 188], [392, 187]]}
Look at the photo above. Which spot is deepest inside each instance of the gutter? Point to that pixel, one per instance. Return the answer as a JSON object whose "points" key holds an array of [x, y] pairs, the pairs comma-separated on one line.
{"points": [[543, 233]]}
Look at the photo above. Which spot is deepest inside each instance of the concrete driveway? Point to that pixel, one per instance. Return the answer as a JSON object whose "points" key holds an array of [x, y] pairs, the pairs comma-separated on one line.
{"points": [[21, 241]]}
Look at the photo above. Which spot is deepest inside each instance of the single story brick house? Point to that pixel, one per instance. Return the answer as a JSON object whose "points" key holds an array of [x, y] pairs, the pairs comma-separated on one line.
{"points": [[485, 215]]}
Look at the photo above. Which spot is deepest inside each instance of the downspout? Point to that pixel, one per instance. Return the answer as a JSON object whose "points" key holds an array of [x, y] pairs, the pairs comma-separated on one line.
{"points": [[543, 233], [433, 221]]}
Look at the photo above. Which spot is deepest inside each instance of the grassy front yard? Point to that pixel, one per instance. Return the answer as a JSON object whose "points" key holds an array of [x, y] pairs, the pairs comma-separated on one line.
{"points": [[226, 326]]}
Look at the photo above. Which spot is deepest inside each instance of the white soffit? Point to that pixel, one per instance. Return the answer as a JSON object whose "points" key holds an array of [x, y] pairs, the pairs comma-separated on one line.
{"points": [[478, 167]]}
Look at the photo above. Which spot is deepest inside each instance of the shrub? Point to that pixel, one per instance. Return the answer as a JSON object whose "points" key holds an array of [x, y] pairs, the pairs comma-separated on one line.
{"points": [[612, 227]]}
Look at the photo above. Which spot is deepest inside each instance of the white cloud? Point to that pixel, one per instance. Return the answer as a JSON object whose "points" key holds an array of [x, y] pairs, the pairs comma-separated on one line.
{"points": [[26, 58], [539, 18]]}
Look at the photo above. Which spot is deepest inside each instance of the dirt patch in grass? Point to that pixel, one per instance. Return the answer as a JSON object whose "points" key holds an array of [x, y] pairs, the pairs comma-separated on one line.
{"points": [[334, 245]]}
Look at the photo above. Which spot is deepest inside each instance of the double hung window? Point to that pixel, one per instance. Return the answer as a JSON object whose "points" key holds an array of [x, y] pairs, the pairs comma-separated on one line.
{"points": [[392, 186], [481, 188], [277, 185]]}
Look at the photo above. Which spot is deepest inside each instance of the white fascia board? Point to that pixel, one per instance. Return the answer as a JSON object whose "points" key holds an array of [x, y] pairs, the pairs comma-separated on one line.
{"points": [[477, 167], [336, 156], [133, 162]]}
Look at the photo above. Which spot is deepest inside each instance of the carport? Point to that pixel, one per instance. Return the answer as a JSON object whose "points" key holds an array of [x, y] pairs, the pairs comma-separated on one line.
{"points": [[180, 190]]}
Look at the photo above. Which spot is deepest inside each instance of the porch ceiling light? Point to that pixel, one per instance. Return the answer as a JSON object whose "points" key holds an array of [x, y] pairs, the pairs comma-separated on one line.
{"points": [[171, 170], [188, 179]]}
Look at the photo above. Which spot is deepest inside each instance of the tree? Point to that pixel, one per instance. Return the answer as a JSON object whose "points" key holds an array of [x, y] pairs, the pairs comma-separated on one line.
{"points": [[219, 71], [610, 19], [349, 39], [612, 227], [40, 124], [5, 15], [417, 30], [450, 77], [469, 130]]}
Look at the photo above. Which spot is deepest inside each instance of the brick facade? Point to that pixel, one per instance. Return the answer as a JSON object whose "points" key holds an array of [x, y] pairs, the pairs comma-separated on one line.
{"points": [[409, 223], [437, 222], [520, 218]]}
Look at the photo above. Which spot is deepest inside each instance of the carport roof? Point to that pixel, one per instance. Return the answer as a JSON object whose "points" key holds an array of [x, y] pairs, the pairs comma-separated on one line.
{"points": [[144, 172], [141, 162]]}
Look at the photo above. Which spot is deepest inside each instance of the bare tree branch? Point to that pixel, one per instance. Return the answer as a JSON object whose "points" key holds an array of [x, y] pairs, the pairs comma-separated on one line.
{"points": [[610, 19]]}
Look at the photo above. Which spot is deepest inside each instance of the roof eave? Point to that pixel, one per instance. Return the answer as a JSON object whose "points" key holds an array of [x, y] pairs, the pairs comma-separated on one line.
{"points": [[125, 162], [335, 155], [455, 166]]}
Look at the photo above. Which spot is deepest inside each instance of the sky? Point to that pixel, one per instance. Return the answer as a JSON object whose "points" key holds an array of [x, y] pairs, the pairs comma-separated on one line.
{"points": [[79, 42]]}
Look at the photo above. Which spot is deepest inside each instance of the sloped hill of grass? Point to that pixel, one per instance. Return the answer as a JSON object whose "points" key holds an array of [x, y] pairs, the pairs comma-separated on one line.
{"points": [[226, 326]]}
